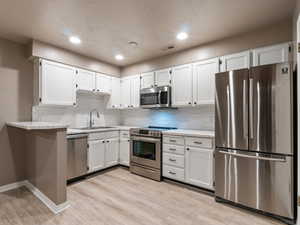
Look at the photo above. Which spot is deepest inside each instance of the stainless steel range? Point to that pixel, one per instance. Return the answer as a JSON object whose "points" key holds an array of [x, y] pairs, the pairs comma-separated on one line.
{"points": [[145, 151]]}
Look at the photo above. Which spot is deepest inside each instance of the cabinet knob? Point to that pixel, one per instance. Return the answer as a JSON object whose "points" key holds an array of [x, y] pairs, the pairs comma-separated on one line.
{"points": [[195, 103], [103, 141], [190, 103], [98, 90], [187, 149], [107, 141], [94, 89]]}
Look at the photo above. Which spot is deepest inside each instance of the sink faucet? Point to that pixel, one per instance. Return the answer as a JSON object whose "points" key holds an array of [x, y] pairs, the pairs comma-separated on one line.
{"points": [[92, 122]]}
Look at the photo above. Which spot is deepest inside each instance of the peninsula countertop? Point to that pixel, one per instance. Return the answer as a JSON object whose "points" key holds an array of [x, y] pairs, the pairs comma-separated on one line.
{"points": [[31, 125]]}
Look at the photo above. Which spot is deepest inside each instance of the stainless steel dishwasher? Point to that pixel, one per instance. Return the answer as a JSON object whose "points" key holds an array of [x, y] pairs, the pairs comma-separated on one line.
{"points": [[77, 155]]}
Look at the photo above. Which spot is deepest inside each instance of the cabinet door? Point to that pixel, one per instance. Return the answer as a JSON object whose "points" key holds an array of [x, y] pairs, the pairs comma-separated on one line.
{"points": [[182, 85], [235, 61], [124, 151], [199, 167], [147, 80], [125, 93], [57, 84], [103, 83], [204, 81], [135, 92], [271, 54], [163, 77], [96, 155], [115, 98], [112, 152], [85, 80]]}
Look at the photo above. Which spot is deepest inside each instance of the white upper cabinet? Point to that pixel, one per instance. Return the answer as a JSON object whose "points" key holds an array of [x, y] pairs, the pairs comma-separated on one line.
{"points": [[199, 167], [204, 81], [272, 54], [182, 86], [235, 61], [85, 80], [163, 77], [130, 92], [125, 92], [115, 98], [56, 84], [103, 83], [135, 91], [147, 80]]}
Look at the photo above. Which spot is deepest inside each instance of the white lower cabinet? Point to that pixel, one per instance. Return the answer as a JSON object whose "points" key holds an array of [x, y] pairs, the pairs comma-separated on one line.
{"points": [[96, 155], [124, 152], [189, 160], [199, 167], [112, 152]]}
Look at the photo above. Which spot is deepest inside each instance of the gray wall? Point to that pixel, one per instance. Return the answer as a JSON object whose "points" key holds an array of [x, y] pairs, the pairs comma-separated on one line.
{"points": [[277, 33], [15, 105]]}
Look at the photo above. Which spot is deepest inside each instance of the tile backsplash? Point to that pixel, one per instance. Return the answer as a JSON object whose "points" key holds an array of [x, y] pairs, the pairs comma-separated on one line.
{"points": [[79, 116], [201, 118]]}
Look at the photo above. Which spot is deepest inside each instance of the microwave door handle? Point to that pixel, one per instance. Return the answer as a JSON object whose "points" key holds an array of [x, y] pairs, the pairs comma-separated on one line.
{"points": [[159, 96]]}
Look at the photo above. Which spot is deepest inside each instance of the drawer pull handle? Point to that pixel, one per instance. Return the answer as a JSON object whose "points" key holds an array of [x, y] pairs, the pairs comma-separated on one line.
{"points": [[198, 142], [172, 160], [172, 149], [172, 140], [170, 172]]}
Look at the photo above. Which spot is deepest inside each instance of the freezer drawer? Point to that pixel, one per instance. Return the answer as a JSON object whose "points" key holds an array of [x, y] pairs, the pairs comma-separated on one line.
{"points": [[256, 180]]}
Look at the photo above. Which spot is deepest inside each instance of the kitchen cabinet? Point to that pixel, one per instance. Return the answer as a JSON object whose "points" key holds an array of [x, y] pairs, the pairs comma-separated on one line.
{"points": [[103, 83], [199, 167], [96, 155], [85, 80], [130, 92], [54, 84], [272, 54], [235, 61], [115, 97], [204, 81], [124, 151], [112, 152], [135, 91], [182, 85], [163, 77], [147, 80], [125, 92]]}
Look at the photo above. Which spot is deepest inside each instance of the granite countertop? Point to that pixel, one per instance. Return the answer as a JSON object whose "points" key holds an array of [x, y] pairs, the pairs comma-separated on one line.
{"points": [[191, 133], [114, 128], [30, 125]]}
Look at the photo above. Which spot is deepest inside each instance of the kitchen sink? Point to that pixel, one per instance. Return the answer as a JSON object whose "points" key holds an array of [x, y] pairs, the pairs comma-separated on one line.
{"points": [[94, 128]]}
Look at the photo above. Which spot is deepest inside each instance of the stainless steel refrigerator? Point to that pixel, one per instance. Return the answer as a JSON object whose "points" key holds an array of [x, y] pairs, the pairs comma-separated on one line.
{"points": [[254, 139]]}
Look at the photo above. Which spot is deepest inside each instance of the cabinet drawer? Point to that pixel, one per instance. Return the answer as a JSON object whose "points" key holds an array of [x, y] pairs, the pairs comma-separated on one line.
{"points": [[176, 149], [112, 134], [124, 134], [173, 160], [199, 142], [97, 136], [174, 140], [104, 135], [173, 172]]}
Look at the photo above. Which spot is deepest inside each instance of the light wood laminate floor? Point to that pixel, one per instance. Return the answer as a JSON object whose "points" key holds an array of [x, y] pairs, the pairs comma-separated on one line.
{"points": [[118, 197]]}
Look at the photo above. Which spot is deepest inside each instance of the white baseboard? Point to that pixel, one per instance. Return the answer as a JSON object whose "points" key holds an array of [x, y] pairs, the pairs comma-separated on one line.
{"points": [[37, 193], [12, 186]]}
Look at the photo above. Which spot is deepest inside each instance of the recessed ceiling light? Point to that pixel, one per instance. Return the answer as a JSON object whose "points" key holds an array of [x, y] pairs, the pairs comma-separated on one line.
{"points": [[75, 40], [182, 36], [119, 57]]}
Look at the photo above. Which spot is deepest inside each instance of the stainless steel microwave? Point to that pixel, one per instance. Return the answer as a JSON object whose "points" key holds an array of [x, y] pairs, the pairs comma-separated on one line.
{"points": [[156, 97]]}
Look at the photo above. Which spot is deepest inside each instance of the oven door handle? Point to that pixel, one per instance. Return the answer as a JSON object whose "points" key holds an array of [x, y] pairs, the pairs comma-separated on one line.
{"points": [[159, 97], [145, 139]]}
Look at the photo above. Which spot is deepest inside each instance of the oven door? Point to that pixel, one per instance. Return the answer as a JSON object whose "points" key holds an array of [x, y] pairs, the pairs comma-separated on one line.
{"points": [[145, 151]]}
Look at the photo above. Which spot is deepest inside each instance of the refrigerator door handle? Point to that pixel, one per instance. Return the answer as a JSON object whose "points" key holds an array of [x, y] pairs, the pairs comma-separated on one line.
{"points": [[254, 157], [251, 107], [245, 109]]}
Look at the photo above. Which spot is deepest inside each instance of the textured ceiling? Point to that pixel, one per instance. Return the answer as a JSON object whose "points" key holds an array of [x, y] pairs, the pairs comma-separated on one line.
{"points": [[106, 26]]}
